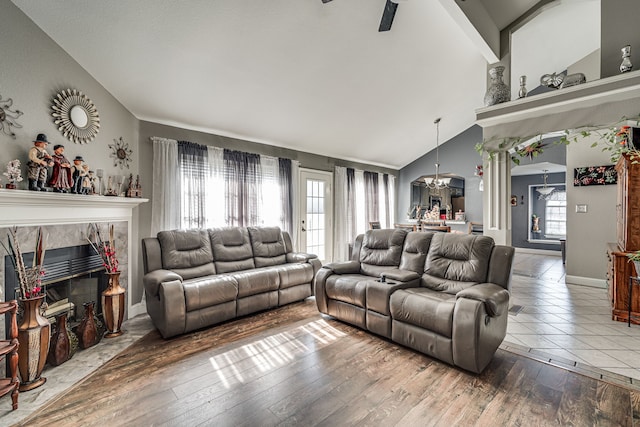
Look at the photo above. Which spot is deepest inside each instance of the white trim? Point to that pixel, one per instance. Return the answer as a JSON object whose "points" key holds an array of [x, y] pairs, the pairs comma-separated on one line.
{"points": [[585, 281]]}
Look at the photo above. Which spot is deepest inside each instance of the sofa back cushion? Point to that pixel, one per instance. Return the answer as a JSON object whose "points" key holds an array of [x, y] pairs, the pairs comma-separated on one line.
{"points": [[381, 250], [457, 261], [187, 252], [414, 251], [268, 246], [231, 249]]}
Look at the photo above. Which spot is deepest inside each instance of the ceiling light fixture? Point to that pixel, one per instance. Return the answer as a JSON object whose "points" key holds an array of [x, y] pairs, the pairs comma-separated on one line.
{"points": [[545, 191], [436, 183]]}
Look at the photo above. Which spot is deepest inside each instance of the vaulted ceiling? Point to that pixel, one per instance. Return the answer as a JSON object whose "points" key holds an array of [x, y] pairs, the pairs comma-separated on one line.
{"points": [[299, 74]]}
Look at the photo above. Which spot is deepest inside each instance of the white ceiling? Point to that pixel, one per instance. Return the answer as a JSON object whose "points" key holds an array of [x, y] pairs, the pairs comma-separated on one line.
{"points": [[300, 74]]}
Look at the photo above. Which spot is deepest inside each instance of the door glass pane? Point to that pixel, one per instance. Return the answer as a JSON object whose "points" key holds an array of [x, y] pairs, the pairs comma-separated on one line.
{"points": [[315, 218]]}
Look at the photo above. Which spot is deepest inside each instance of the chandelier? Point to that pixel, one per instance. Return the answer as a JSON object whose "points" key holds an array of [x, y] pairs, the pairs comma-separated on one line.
{"points": [[545, 191], [436, 183]]}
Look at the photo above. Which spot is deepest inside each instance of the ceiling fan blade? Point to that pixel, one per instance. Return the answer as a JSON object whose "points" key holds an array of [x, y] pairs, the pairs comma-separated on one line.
{"points": [[387, 16], [326, 1]]}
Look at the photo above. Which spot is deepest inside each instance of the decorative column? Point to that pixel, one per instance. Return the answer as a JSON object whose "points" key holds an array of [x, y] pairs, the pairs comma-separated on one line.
{"points": [[496, 195]]}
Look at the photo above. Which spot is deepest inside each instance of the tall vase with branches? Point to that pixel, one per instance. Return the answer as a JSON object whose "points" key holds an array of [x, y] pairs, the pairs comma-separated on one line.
{"points": [[34, 332], [113, 302]]}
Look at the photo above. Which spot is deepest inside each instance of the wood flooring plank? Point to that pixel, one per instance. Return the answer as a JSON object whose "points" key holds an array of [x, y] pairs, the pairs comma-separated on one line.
{"points": [[293, 366]]}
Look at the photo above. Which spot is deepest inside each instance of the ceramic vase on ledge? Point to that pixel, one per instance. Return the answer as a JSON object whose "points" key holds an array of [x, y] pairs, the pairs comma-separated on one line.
{"points": [[498, 92], [113, 306], [63, 342], [90, 331], [34, 333]]}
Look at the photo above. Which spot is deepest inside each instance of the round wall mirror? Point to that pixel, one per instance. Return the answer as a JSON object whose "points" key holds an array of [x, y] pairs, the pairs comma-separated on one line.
{"points": [[76, 116], [79, 116]]}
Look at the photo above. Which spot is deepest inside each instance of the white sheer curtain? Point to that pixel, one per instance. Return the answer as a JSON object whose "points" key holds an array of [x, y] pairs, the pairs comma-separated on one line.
{"points": [[165, 211], [340, 237], [269, 205], [361, 215]]}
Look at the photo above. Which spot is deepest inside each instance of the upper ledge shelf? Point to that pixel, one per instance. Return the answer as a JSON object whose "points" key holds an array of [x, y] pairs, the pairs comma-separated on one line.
{"points": [[617, 88]]}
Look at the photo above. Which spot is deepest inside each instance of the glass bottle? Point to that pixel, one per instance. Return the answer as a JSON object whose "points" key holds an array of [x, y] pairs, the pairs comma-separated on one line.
{"points": [[523, 87]]}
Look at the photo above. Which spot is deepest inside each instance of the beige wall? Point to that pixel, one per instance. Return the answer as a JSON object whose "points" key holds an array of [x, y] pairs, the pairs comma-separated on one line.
{"points": [[588, 233]]}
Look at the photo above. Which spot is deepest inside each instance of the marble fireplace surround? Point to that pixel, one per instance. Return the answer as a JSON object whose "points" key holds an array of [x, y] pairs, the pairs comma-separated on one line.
{"points": [[65, 217]]}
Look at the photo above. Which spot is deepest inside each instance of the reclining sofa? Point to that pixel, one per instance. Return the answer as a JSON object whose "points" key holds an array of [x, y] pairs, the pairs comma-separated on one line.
{"points": [[445, 295], [197, 278]]}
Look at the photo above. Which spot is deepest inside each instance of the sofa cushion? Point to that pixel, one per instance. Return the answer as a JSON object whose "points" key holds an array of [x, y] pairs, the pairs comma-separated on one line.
{"points": [[294, 274], [457, 261], [424, 308], [231, 249], [268, 246], [349, 288], [381, 248], [256, 281], [187, 253], [414, 251], [213, 290]]}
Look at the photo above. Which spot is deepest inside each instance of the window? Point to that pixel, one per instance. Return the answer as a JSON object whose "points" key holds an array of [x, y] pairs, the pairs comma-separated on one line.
{"points": [[555, 215]]}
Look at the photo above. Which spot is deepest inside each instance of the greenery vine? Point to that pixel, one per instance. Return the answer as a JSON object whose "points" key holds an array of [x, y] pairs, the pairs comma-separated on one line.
{"points": [[614, 138]]}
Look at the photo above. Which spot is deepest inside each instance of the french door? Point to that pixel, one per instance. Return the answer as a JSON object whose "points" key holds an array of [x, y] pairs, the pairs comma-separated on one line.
{"points": [[316, 213]]}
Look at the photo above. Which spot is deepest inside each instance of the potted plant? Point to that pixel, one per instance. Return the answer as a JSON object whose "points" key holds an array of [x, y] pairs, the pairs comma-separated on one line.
{"points": [[635, 258]]}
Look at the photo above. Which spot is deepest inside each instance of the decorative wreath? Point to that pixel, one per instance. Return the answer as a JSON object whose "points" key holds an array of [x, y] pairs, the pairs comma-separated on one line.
{"points": [[76, 116], [121, 153]]}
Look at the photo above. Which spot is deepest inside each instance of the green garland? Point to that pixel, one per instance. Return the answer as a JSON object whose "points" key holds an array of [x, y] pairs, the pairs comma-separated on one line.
{"points": [[612, 138]]}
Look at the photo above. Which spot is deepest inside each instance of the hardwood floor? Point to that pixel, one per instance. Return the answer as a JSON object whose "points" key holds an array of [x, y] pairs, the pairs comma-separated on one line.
{"points": [[292, 366]]}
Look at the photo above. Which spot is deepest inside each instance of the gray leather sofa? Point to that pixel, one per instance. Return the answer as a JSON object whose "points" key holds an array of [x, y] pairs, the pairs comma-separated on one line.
{"points": [[445, 295], [197, 278]]}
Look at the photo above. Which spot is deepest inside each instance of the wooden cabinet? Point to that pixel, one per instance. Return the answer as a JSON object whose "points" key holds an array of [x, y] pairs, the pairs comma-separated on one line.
{"points": [[618, 272], [628, 205], [9, 349], [628, 235]]}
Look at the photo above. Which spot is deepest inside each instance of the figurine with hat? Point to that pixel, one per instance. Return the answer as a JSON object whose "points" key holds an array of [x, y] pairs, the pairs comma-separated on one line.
{"points": [[39, 160], [77, 174]]}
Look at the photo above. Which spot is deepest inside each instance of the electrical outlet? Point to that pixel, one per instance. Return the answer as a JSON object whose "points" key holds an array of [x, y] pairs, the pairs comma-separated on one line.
{"points": [[581, 208]]}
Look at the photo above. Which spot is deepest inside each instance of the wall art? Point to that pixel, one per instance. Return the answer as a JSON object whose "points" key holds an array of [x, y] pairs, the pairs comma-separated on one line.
{"points": [[8, 117], [76, 116], [594, 175], [120, 153]]}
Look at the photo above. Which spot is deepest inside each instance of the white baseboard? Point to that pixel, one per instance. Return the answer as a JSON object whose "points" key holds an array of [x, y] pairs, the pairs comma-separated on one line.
{"points": [[538, 251], [137, 309], [585, 281]]}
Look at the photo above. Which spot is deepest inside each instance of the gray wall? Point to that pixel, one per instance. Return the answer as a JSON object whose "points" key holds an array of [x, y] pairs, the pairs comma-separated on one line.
{"points": [[520, 212], [457, 156], [619, 27], [33, 70]]}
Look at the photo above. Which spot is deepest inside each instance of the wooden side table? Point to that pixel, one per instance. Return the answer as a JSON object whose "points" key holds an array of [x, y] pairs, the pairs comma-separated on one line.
{"points": [[9, 348]]}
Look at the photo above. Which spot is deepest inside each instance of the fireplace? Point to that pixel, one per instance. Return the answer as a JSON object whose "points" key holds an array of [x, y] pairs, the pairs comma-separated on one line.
{"points": [[73, 276]]}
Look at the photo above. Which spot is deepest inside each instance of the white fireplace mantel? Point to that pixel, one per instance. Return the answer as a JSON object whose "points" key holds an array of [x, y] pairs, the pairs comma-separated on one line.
{"points": [[33, 208]]}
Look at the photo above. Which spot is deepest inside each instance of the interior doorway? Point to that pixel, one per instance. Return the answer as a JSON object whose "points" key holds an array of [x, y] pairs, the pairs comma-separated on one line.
{"points": [[315, 229]]}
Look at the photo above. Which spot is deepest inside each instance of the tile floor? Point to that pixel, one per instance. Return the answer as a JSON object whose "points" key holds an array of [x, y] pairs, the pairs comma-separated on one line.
{"points": [[568, 322]]}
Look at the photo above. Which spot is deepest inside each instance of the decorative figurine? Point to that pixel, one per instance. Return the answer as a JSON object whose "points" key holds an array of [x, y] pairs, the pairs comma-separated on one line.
{"points": [[13, 174], [61, 179], [523, 87], [38, 162], [134, 190], [77, 173], [626, 59], [94, 183], [86, 187]]}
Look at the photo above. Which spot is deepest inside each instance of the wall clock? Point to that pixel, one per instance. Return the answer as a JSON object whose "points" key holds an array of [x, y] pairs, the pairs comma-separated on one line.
{"points": [[76, 116], [120, 153]]}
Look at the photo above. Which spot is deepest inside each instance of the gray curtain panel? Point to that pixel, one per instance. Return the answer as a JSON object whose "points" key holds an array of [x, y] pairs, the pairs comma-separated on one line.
{"points": [[352, 227], [371, 197], [286, 194], [242, 180], [194, 170]]}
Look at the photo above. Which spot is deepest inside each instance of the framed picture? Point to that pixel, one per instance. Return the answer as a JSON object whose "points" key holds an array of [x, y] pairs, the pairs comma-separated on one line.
{"points": [[594, 175], [514, 200]]}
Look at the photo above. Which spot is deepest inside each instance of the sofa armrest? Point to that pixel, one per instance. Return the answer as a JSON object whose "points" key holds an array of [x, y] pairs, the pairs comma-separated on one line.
{"points": [[401, 275], [346, 267], [494, 297], [293, 257], [153, 280]]}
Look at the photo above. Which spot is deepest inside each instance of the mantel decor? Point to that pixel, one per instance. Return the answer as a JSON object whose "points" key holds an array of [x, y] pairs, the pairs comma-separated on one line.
{"points": [[76, 116], [120, 153]]}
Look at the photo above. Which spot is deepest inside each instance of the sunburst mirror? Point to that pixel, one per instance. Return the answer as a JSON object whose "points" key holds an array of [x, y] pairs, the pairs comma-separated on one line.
{"points": [[76, 116], [120, 153]]}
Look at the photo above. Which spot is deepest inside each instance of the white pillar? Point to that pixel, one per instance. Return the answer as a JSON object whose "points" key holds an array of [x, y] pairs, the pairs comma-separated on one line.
{"points": [[496, 197]]}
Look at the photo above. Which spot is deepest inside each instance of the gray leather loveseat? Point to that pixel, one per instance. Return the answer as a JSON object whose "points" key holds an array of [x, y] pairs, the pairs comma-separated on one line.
{"points": [[197, 278], [445, 295]]}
